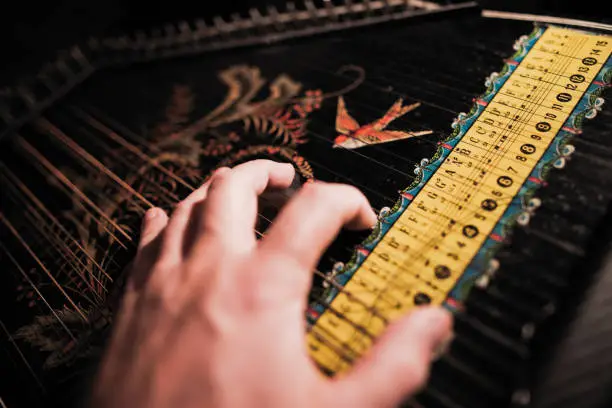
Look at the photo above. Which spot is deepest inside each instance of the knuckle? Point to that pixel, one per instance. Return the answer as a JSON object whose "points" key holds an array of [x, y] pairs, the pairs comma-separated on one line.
{"points": [[335, 197], [413, 368], [182, 208], [317, 191], [273, 286], [260, 163], [351, 193], [221, 170], [220, 179]]}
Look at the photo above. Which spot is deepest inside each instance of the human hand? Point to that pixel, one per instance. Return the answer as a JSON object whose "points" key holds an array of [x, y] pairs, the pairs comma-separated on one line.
{"points": [[213, 317]]}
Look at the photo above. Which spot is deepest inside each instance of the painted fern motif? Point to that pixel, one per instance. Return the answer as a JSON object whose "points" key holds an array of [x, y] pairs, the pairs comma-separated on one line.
{"points": [[285, 124], [47, 334], [278, 124]]}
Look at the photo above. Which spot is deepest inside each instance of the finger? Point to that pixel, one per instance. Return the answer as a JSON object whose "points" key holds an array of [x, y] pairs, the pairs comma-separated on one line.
{"points": [[153, 224], [398, 365], [308, 224], [229, 213], [174, 235]]}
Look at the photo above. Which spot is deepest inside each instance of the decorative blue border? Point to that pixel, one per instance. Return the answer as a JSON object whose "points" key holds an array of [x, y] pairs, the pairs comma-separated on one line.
{"points": [[522, 206]]}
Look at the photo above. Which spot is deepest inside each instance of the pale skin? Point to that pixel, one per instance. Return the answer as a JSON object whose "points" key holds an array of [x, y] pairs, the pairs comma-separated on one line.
{"points": [[212, 317]]}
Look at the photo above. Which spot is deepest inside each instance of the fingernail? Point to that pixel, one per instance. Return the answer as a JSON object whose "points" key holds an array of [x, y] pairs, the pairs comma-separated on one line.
{"points": [[375, 217], [152, 213], [221, 170]]}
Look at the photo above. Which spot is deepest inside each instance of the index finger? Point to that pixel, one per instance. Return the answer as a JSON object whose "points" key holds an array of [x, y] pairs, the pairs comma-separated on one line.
{"points": [[229, 213], [310, 222]]}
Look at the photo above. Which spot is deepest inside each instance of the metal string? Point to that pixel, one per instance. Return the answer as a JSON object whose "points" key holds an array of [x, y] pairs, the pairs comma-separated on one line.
{"points": [[22, 357], [67, 254], [326, 140], [165, 194], [5, 171], [35, 289], [82, 154], [15, 233], [366, 156], [358, 327], [420, 253], [40, 225], [50, 169]]}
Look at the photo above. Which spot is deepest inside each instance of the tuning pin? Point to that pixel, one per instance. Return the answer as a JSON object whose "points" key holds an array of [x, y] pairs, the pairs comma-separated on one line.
{"points": [[235, 21], [185, 31], [331, 276], [518, 44], [559, 163], [596, 107], [590, 114], [483, 281], [385, 211], [26, 96], [220, 24], [418, 169], [77, 55], [64, 69], [256, 17], [458, 120], [330, 9], [311, 8], [274, 15], [568, 150], [45, 77], [491, 78], [527, 331], [201, 28], [184, 27]]}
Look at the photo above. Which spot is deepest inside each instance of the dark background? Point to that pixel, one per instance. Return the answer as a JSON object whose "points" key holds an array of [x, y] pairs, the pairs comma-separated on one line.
{"points": [[32, 31]]}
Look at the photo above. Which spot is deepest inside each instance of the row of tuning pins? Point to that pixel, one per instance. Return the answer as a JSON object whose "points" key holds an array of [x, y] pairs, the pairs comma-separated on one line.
{"points": [[77, 62], [28, 96], [272, 17]]}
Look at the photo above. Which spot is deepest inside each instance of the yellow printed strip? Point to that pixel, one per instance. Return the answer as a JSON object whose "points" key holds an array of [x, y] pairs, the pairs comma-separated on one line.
{"points": [[422, 256]]}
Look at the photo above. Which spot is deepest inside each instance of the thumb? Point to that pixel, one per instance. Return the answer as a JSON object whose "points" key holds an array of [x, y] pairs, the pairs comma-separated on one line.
{"points": [[398, 365]]}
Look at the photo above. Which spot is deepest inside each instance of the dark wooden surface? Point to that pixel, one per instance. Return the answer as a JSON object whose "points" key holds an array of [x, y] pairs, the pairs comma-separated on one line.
{"points": [[440, 62]]}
